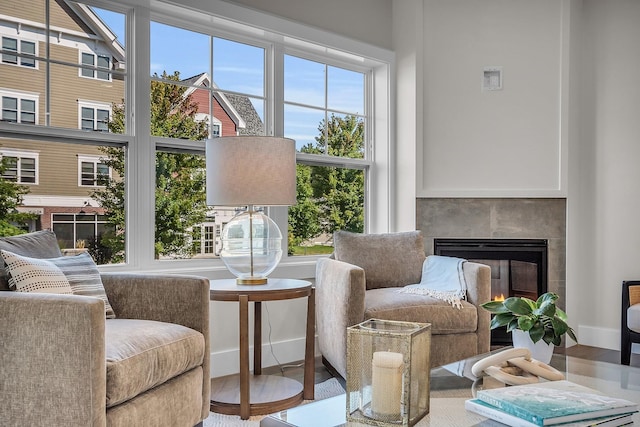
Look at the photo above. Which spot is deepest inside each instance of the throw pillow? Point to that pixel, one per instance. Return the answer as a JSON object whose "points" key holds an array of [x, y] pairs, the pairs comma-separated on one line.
{"points": [[34, 275], [80, 272], [84, 278]]}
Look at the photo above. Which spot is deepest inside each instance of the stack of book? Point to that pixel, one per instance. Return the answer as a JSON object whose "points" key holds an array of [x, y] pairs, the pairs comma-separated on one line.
{"points": [[552, 403]]}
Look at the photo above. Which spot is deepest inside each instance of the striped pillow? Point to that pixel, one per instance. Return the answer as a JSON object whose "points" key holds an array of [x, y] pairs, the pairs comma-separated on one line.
{"points": [[80, 272], [34, 275]]}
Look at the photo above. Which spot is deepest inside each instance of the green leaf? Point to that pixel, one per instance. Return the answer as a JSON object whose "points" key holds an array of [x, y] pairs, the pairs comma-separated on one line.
{"points": [[495, 307], [501, 319], [547, 308], [526, 322], [518, 306], [536, 334]]}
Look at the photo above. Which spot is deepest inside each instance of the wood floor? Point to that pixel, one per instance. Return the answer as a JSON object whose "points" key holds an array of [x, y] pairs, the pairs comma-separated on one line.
{"points": [[295, 370]]}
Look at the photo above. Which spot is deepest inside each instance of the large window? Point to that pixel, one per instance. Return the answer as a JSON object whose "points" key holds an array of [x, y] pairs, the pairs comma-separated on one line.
{"points": [[126, 151]]}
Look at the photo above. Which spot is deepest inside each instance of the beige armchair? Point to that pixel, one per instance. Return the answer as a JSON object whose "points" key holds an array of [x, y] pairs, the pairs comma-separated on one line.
{"points": [[63, 364], [361, 281]]}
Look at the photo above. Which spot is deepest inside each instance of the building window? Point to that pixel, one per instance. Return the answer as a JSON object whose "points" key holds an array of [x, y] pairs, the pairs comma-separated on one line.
{"points": [[80, 230], [25, 52], [94, 118], [92, 172], [20, 167], [19, 110], [101, 62]]}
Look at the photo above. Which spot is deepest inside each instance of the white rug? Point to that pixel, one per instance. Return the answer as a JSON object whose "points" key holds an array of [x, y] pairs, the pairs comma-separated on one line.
{"points": [[324, 390]]}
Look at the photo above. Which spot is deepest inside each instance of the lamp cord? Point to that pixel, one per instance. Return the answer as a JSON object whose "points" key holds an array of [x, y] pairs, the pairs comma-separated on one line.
{"points": [[280, 365]]}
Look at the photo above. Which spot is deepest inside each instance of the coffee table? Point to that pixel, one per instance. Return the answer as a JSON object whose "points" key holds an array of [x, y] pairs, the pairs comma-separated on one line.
{"points": [[452, 384]]}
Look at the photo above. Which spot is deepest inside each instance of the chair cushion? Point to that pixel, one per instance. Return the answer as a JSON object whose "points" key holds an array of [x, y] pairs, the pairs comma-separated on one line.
{"points": [[142, 354], [633, 318], [388, 259], [389, 304], [39, 244]]}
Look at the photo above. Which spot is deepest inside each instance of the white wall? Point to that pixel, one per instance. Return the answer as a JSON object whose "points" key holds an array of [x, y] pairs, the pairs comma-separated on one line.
{"points": [[566, 124], [608, 149], [492, 143], [365, 20]]}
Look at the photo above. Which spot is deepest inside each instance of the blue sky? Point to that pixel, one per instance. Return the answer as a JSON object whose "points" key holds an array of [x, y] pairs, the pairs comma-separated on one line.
{"points": [[239, 67]]}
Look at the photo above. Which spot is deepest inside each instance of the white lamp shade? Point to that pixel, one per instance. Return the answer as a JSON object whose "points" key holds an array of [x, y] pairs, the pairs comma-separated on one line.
{"points": [[251, 170]]}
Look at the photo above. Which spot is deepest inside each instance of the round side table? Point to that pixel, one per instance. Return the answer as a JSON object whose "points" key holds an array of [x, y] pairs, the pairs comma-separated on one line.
{"points": [[247, 394]]}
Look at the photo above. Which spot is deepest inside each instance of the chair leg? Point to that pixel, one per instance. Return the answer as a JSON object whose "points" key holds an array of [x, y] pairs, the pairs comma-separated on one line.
{"points": [[625, 347]]}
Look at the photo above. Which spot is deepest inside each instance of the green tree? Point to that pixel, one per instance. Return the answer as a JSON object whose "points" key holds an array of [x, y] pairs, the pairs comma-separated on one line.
{"points": [[304, 216], [12, 222], [336, 199], [180, 180]]}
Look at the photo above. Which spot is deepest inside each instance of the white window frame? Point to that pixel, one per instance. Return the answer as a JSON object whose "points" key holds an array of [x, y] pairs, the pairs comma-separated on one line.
{"points": [[97, 69], [19, 59], [95, 106], [240, 23], [95, 160], [20, 95], [19, 154]]}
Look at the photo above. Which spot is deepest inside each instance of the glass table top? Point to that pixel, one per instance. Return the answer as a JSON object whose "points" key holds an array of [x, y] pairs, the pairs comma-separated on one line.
{"points": [[452, 384]]}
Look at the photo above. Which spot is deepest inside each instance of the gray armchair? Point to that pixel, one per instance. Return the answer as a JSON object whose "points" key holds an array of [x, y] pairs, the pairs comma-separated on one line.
{"points": [[63, 364], [361, 281]]}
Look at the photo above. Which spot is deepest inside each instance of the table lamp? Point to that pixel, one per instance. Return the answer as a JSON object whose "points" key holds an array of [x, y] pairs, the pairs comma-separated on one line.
{"points": [[251, 171]]}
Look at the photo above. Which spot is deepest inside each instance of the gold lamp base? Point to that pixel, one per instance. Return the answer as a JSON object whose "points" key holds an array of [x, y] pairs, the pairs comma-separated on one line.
{"points": [[251, 281]]}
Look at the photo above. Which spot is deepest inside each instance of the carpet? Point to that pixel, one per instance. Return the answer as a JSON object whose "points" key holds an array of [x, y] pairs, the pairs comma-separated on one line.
{"points": [[324, 390]]}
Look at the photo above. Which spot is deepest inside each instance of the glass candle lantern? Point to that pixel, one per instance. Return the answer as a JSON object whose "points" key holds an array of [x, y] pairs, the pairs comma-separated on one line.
{"points": [[388, 372]]}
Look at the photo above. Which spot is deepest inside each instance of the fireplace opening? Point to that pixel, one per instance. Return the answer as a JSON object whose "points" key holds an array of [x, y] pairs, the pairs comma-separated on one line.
{"points": [[518, 267]]}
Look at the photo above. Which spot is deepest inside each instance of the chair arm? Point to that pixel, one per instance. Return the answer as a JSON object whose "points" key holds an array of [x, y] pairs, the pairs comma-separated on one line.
{"points": [[179, 299], [52, 360], [340, 290], [478, 278]]}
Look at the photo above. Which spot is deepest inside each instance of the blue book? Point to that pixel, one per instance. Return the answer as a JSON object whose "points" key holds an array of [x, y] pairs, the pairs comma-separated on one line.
{"points": [[491, 412], [555, 402]]}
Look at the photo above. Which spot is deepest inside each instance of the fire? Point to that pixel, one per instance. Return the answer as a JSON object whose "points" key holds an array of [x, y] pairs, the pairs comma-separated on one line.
{"points": [[500, 298]]}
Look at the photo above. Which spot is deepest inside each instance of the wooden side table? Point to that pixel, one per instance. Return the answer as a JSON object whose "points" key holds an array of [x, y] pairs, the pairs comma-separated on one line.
{"points": [[245, 394]]}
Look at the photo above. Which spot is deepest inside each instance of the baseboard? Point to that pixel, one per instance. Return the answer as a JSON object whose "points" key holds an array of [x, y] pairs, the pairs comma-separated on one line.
{"points": [[228, 362], [602, 337]]}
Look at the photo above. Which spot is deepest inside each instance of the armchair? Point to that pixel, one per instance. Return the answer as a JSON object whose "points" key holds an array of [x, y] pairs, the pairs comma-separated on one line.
{"points": [[63, 363], [361, 281], [630, 327]]}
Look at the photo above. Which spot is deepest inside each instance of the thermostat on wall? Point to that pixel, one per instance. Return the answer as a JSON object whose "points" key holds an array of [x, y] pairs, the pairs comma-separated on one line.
{"points": [[492, 78]]}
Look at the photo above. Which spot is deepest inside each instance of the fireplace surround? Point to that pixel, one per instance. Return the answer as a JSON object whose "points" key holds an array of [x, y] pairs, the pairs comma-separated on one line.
{"points": [[500, 218]]}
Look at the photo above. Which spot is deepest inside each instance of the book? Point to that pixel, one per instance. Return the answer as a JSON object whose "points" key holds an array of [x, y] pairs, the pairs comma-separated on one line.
{"points": [[489, 411], [555, 402]]}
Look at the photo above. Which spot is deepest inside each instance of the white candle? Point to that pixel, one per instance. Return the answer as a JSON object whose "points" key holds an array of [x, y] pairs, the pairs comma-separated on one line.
{"points": [[386, 384]]}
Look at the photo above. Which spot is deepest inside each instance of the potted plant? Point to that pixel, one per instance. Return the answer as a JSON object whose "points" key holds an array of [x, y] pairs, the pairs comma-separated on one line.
{"points": [[544, 322]]}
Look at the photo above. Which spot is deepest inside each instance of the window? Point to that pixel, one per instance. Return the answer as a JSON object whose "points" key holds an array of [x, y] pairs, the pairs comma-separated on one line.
{"points": [[80, 230], [20, 167], [92, 172], [25, 52], [94, 117], [17, 108], [98, 64], [213, 75]]}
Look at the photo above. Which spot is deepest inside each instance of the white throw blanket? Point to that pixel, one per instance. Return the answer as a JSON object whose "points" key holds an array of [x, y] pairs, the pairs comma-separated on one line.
{"points": [[442, 278]]}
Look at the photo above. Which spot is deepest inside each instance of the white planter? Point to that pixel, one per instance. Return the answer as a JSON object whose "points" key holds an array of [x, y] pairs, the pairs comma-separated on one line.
{"points": [[540, 351]]}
